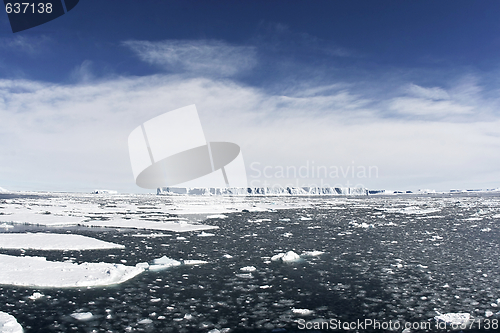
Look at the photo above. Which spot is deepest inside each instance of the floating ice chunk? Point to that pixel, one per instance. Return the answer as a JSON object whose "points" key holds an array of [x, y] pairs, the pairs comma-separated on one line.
{"points": [[312, 253], [287, 234], [166, 261], [205, 234], [362, 225], [82, 316], [488, 313], [486, 229], [181, 238], [145, 321], [245, 275], [227, 256], [290, 256], [302, 312], [46, 241], [248, 269], [453, 318], [277, 257], [38, 272], [36, 295], [9, 324], [303, 218], [217, 216]]}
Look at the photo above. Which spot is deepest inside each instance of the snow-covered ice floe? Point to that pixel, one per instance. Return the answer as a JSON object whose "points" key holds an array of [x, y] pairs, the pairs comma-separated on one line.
{"points": [[41, 219], [177, 226], [453, 318], [46, 241], [9, 324], [38, 272]]}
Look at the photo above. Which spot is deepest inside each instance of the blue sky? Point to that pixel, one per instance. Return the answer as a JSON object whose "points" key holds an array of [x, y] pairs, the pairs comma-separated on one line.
{"points": [[410, 88]]}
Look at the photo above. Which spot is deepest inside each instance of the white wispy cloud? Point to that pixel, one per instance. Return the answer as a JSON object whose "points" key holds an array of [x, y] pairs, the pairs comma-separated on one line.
{"points": [[433, 93], [209, 57], [25, 44]]}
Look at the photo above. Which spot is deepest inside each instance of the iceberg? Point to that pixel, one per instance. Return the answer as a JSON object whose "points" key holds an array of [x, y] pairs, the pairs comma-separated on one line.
{"points": [[290, 256], [9, 324], [46, 241], [3, 190], [38, 272]]}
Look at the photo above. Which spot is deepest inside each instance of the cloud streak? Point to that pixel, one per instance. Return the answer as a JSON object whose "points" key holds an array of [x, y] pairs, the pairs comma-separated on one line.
{"points": [[202, 57]]}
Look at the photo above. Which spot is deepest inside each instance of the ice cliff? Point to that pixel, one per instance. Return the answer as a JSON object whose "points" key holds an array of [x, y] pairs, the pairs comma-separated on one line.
{"points": [[261, 191]]}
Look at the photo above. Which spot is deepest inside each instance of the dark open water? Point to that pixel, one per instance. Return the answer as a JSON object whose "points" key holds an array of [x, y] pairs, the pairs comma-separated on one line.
{"points": [[396, 266]]}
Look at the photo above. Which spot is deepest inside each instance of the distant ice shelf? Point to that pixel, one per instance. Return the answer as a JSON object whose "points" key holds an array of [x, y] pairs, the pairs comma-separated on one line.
{"points": [[49, 241], [261, 191], [38, 272]]}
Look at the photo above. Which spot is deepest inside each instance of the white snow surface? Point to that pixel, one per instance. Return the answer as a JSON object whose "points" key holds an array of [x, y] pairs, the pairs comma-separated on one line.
{"points": [[40, 219], [38, 272], [177, 226], [9, 324], [46, 241]]}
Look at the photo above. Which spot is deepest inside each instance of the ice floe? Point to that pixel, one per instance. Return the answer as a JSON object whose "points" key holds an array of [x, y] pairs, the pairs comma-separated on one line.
{"points": [[38, 272], [49, 241], [165, 262], [312, 253], [217, 216], [41, 219], [9, 324], [248, 269], [302, 312], [82, 316], [453, 318]]}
